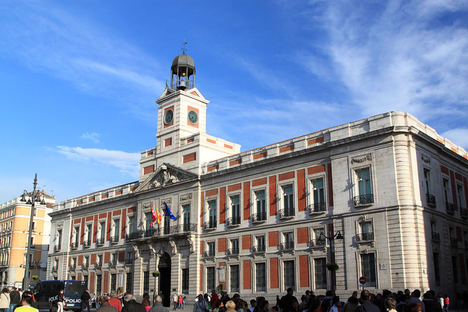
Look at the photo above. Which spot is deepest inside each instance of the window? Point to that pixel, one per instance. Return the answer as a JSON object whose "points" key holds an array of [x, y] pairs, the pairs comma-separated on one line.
{"points": [[288, 200], [98, 284], [115, 237], [234, 246], [113, 282], [185, 281], [186, 212], [210, 278], [234, 278], [211, 249], [319, 235], [73, 262], [436, 268], [102, 231], [260, 243], [260, 205], [289, 275], [167, 224], [129, 285], [364, 187], [131, 224], [454, 269], [445, 185], [77, 235], [212, 214], [146, 282], [368, 269], [320, 265], [59, 239], [88, 234], [235, 209], [288, 240], [319, 195], [260, 273], [99, 260], [148, 220], [460, 198], [367, 231], [86, 261], [33, 227], [427, 180]]}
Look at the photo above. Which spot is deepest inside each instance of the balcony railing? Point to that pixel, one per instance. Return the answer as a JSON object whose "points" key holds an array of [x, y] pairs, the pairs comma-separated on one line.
{"points": [[100, 241], [232, 251], [114, 240], [113, 264], [183, 228], [209, 254], [233, 221], [151, 232], [363, 200], [431, 200], [72, 267], [98, 266], [129, 261], [463, 212], [86, 244], [209, 226], [450, 208], [317, 208], [284, 214], [318, 242], [258, 249], [286, 246], [258, 217], [84, 266], [57, 248], [134, 235], [74, 246], [435, 237], [365, 237]]}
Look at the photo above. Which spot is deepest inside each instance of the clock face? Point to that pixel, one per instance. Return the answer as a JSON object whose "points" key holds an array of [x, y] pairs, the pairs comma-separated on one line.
{"points": [[168, 116], [193, 117]]}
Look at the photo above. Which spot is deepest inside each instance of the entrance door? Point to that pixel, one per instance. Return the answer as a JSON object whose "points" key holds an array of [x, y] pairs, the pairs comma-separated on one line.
{"points": [[165, 279]]}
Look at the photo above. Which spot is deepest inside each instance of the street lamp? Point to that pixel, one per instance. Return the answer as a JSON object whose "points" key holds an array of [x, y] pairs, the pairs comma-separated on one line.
{"points": [[332, 239], [30, 198]]}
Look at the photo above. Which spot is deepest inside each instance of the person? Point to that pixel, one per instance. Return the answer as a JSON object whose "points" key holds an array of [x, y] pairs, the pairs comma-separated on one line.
{"points": [[26, 303], [200, 305], [446, 303], [351, 305], [115, 302], [146, 303], [415, 295], [335, 304], [181, 301], [158, 307], [5, 300], [175, 301], [131, 305], [253, 304], [230, 306], [85, 297], [366, 305], [104, 305], [287, 301], [390, 304], [15, 298], [214, 299], [60, 301]]}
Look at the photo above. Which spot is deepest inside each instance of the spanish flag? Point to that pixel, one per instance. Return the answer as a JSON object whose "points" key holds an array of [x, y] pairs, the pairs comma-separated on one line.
{"points": [[155, 216]]}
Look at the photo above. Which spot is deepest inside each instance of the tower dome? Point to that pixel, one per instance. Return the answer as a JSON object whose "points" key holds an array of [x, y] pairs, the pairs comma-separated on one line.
{"points": [[183, 72]]}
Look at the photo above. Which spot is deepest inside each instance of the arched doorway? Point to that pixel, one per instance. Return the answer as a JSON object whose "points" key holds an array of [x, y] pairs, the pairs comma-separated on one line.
{"points": [[165, 279]]}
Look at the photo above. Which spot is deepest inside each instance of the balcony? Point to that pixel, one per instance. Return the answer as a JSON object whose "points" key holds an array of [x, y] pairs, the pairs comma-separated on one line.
{"points": [[285, 214], [431, 200], [450, 208], [260, 249], [84, 266], [209, 226], [232, 252], [365, 237], [98, 266], [209, 254], [363, 200], [134, 235], [114, 240], [57, 248], [151, 232], [72, 267], [233, 222], [258, 217], [317, 208], [463, 213], [129, 261], [287, 246], [435, 237], [183, 228], [100, 241], [86, 244], [74, 246], [317, 243]]}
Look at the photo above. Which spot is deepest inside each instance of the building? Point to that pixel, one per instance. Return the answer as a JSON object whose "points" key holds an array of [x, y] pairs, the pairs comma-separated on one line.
{"points": [[383, 198], [14, 228]]}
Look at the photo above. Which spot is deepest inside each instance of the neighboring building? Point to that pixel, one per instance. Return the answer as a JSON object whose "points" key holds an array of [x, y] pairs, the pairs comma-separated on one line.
{"points": [[255, 221], [14, 228]]}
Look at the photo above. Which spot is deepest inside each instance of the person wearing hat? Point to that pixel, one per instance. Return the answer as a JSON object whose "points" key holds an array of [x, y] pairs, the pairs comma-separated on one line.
{"points": [[105, 305], [131, 305]]}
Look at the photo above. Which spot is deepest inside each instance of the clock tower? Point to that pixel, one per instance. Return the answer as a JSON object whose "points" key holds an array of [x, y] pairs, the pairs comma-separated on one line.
{"points": [[182, 140]]}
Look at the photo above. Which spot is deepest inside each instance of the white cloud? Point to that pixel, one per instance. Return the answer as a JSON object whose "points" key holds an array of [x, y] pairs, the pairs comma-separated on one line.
{"points": [[92, 136], [126, 162], [458, 136]]}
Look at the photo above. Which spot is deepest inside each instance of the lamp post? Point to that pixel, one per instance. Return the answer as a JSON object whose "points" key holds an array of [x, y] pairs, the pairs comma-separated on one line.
{"points": [[331, 240], [32, 197]]}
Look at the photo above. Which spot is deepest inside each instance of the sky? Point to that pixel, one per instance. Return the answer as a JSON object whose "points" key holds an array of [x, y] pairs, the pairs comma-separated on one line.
{"points": [[79, 79]]}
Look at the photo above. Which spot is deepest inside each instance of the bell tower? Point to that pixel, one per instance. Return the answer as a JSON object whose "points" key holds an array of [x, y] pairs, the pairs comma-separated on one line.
{"points": [[181, 138]]}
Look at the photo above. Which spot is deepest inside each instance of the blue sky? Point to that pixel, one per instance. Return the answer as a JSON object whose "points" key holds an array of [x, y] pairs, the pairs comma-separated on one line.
{"points": [[78, 79]]}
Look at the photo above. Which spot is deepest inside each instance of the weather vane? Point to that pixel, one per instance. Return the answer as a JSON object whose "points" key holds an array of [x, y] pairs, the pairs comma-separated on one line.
{"points": [[185, 47]]}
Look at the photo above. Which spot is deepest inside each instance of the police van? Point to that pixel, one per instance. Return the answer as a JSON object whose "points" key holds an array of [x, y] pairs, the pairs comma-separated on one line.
{"points": [[46, 293]]}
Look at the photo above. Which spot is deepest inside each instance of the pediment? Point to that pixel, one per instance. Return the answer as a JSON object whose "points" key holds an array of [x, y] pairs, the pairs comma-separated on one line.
{"points": [[164, 176]]}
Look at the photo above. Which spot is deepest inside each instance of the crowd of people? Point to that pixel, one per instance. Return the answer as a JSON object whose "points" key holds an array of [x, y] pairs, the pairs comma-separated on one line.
{"points": [[17, 300]]}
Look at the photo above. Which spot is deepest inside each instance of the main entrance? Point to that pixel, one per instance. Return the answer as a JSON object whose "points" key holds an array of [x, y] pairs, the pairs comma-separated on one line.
{"points": [[165, 279]]}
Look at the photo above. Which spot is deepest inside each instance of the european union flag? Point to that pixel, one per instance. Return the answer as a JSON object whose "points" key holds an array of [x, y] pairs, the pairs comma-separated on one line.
{"points": [[169, 213]]}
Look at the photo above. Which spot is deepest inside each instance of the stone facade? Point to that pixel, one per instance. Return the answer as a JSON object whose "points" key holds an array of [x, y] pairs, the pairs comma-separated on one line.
{"points": [[384, 197]]}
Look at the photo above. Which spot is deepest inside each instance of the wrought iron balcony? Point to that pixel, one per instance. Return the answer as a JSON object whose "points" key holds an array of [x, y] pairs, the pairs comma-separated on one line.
{"points": [[129, 261], [318, 242], [183, 228], [100, 241], [435, 237], [285, 214], [86, 244], [258, 249], [233, 221], [258, 217], [114, 240], [431, 200], [151, 232], [450, 208], [287, 246], [463, 212], [209, 226], [209, 254], [363, 200], [57, 248], [232, 251], [317, 208], [74, 245], [84, 266], [365, 237], [72, 267], [98, 266], [134, 235], [113, 264]]}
